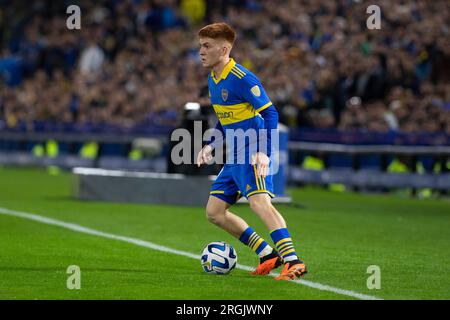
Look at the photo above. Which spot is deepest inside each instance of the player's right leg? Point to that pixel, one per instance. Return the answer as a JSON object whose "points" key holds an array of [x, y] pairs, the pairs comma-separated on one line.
{"points": [[217, 213]]}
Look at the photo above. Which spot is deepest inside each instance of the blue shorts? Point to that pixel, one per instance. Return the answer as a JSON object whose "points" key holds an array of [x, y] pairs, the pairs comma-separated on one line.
{"points": [[237, 180]]}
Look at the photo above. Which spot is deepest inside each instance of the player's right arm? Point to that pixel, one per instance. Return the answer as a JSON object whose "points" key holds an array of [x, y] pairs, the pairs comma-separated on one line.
{"points": [[205, 155]]}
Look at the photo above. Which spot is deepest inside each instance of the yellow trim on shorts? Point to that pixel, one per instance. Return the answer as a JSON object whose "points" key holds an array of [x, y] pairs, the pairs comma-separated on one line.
{"points": [[256, 178], [217, 192], [261, 191]]}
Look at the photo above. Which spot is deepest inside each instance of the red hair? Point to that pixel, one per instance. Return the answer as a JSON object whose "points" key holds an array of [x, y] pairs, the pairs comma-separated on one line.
{"points": [[219, 30]]}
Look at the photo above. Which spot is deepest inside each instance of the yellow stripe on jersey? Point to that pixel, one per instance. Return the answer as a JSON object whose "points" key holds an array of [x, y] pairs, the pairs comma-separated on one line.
{"points": [[238, 71], [230, 65], [268, 104], [234, 113], [236, 74]]}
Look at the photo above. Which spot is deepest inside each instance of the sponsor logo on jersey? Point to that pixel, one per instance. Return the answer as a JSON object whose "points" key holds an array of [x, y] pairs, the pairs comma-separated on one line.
{"points": [[227, 114]]}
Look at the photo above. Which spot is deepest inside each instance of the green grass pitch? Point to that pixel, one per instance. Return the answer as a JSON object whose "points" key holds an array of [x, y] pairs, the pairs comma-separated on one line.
{"points": [[338, 235]]}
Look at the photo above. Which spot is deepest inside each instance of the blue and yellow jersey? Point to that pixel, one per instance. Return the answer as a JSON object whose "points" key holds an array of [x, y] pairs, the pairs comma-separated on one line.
{"points": [[237, 97]]}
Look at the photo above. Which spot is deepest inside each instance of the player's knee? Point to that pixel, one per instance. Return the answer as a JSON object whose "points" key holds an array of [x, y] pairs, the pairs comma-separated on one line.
{"points": [[256, 206], [214, 215], [260, 205]]}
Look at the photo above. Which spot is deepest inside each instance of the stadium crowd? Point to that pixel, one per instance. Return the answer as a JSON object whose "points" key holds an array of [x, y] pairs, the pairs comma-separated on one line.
{"points": [[135, 62]]}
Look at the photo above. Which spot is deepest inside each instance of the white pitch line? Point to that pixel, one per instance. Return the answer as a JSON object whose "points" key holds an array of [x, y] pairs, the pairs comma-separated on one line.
{"points": [[147, 244]]}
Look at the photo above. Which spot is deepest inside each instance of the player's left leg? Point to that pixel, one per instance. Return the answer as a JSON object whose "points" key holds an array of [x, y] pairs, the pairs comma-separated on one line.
{"points": [[261, 204]]}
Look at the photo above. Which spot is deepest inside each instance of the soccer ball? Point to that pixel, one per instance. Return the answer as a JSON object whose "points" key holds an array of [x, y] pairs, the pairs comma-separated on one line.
{"points": [[218, 258]]}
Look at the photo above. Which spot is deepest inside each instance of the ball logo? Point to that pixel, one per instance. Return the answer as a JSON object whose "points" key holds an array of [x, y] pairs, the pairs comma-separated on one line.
{"points": [[218, 258], [255, 90]]}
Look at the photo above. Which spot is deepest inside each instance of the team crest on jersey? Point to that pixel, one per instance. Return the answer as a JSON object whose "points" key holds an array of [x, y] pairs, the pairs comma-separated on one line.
{"points": [[224, 94], [255, 90]]}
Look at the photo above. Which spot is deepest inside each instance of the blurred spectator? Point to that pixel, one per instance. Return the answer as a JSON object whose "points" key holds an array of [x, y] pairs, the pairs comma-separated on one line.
{"points": [[91, 59], [135, 62]]}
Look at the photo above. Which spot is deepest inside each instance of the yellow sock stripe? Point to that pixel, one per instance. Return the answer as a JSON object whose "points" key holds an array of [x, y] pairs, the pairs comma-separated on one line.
{"points": [[255, 238], [286, 249], [236, 74], [282, 241], [287, 252], [256, 245], [252, 239], [284, 245], [256, 178], [239, 71]]}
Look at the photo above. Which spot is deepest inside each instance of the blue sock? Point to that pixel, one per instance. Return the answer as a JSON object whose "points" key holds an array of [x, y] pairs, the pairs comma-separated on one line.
{"points": [[251, 239], [284, 245]]}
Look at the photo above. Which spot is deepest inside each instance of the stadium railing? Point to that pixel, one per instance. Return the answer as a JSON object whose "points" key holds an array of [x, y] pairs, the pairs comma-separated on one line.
{"points": [[356, 159]]}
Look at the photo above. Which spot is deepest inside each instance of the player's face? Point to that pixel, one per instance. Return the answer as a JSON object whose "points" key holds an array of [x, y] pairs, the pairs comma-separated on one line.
{"points": [[211, 51]]}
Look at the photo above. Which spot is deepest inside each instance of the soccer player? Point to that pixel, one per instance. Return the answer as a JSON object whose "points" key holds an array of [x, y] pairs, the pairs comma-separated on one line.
{"points": [[240, 102]]}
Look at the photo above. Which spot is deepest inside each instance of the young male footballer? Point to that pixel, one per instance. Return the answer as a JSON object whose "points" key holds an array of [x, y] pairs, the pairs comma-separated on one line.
{"points": [[240, 102]]}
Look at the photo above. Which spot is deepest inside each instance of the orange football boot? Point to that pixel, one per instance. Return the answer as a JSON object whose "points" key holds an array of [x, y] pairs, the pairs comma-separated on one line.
{"points": [[268, 263], [292, 270]]}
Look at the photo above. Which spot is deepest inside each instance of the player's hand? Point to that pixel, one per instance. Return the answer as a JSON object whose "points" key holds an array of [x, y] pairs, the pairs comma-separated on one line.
{"points": [[205, 155], [261, 160]]}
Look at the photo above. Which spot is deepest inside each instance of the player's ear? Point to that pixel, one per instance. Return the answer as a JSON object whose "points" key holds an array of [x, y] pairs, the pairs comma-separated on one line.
{"points": [[226, 48]]}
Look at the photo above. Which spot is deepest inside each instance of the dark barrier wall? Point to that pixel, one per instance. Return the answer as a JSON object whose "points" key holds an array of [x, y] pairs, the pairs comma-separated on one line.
{"points": [[140, 187]]}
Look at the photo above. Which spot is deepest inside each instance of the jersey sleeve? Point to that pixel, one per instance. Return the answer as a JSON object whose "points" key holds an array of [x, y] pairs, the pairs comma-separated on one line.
{"points": [[270, 116], [253, 92]]}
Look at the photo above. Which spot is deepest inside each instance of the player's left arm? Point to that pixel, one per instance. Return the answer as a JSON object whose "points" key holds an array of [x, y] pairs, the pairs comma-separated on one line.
{"points": [[254, 93]]}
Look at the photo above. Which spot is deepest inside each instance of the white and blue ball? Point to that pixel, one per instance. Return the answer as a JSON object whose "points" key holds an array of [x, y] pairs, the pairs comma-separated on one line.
{"points": [[218, 258]]}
